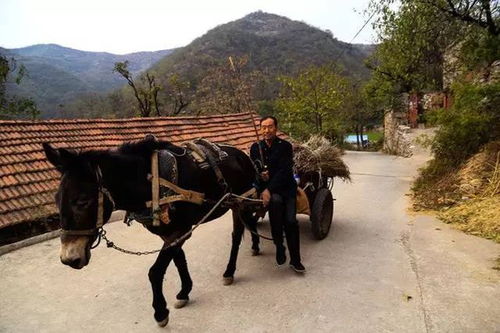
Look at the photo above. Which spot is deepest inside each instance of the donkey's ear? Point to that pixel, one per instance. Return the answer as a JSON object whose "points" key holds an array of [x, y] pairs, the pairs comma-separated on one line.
{"points": [[59, 158], [150, 138]]}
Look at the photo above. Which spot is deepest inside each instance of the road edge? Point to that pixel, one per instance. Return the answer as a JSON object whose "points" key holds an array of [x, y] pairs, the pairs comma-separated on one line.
{"points": [[115, 216]]}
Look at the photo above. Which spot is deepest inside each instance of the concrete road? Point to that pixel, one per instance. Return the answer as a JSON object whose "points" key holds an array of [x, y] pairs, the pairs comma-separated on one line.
{"points": [[381, 269]]}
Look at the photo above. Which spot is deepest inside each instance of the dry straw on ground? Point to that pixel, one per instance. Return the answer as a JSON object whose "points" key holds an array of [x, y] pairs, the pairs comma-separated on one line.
{"points": [[318, 153], [479, 216], [479, 213], [481, 173]]}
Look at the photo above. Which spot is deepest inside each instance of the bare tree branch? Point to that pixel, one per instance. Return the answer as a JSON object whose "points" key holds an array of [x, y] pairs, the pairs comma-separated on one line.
{"points": [[465, 15]]}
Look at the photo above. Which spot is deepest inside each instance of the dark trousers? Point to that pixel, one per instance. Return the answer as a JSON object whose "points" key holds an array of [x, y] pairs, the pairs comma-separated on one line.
{"points": [[283, 217]]}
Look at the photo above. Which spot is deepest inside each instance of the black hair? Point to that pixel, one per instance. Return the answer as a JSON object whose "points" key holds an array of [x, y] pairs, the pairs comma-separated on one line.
{"points": [[269, 117]]}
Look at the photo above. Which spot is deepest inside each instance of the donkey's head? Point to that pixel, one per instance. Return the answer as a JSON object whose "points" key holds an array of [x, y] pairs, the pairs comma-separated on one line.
{"points": [[78, 202]]}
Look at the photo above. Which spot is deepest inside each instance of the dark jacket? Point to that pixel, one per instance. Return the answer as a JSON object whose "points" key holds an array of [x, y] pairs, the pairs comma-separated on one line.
{"points": [[278, 160]]}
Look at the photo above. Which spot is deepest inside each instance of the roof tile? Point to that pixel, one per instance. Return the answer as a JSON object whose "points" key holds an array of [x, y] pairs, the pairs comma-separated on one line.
{"points": [[28, 181]]}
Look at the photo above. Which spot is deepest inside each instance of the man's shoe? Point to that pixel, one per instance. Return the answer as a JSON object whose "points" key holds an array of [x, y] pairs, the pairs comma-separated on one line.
{"points": [[298, 267], [280, 255]]}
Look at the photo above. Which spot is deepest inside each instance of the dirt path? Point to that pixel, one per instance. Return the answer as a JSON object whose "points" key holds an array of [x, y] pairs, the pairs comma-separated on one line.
{"points": [[380, 269]]}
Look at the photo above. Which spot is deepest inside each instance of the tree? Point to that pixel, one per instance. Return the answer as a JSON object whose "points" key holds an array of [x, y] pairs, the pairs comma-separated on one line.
{"points": [[146, 94], [410, 55], [311, 101], [178, 94], [483, 13], [416, 37], [360, 109], [227, 88], [13, 107]]}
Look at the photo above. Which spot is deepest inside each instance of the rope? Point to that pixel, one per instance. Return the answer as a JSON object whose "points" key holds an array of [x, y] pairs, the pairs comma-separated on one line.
{"points": [[356, 35], [251, 231]]}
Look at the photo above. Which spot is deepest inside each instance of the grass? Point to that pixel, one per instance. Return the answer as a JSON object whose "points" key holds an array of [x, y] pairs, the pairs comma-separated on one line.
{"points": [[374, 136], [436, 187]]}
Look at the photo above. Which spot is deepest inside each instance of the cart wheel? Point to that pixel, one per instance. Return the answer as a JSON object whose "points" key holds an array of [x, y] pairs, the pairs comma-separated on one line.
{"points": [[322, 213]]}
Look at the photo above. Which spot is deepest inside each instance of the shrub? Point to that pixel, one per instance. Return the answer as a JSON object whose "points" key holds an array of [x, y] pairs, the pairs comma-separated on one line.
{"points": [[472, 121]]}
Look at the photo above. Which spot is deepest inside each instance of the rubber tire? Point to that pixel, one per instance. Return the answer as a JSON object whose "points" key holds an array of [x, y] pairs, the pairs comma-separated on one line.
{"points": [[322, 213]]}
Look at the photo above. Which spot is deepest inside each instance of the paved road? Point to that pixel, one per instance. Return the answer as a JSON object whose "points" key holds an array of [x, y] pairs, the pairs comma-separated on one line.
{"points": [[381, 269]]}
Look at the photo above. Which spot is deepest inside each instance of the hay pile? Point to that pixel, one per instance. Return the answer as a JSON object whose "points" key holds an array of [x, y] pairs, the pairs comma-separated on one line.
{"points": [[319, 154], [480, 185], [478, 216], [481, 173]]}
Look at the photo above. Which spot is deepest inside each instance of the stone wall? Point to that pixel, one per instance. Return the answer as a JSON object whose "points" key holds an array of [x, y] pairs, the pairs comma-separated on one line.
{"points": [[396, 129]]}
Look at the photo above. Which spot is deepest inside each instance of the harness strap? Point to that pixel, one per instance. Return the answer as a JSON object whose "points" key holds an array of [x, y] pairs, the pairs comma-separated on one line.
{"points": [[213, 164], [86, 232], [102, 191], [185, 195], [156, 202], [198, 154], [100, 210], [213, 147], [100, 199]]}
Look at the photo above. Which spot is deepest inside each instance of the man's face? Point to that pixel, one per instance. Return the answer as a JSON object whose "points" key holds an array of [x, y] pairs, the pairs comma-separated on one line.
{"points": [[268, 129]]}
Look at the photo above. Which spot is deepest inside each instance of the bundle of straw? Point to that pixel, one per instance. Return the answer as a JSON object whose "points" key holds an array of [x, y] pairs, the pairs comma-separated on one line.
{"points": [[317, 154]]}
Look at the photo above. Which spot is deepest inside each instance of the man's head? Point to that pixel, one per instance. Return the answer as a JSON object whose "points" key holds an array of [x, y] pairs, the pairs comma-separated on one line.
{"points": [[268, 127]]}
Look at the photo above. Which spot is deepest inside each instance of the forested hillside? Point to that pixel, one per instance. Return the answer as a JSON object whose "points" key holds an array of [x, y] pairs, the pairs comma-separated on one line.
{"points": [[58, 75], [274, 44]]}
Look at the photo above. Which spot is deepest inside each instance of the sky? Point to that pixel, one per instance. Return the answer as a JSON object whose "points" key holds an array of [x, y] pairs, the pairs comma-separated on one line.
{"points": [[125, 26]]}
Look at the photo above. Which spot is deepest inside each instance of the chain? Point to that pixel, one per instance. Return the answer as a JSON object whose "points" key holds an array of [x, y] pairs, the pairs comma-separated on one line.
{"points": [[102, 232], [112, 245]]}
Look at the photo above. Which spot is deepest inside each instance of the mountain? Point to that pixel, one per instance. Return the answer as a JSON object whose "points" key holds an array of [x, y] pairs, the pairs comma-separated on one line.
{"points": [[57, 75], [273, 43]]}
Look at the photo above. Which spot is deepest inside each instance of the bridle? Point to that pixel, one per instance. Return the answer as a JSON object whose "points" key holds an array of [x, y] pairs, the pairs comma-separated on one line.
{"points": [[97, 231]]}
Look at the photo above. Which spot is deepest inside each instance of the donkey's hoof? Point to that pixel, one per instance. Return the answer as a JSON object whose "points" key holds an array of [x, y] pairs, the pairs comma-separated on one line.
{"points": [[164, 322], [180, 303], [227, 280]]}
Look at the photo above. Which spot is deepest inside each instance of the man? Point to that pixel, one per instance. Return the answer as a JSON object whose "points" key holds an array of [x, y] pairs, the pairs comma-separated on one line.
{"points": [[274, 159]]}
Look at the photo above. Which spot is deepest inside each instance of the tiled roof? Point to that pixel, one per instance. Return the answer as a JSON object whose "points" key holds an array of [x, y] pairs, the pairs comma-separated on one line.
{"points": [[28, 181]]}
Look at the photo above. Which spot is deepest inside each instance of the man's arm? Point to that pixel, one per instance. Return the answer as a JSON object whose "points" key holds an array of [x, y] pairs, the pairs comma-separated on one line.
{"points": [[255, 156], [260, 182]]}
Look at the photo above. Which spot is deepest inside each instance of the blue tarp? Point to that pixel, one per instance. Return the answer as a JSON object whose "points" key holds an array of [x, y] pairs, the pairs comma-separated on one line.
{"points": [[352, 138]]}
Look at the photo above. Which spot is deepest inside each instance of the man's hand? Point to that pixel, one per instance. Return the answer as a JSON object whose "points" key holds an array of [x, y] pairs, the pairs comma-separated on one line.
{"points": [[266, 197], [265, 176]]}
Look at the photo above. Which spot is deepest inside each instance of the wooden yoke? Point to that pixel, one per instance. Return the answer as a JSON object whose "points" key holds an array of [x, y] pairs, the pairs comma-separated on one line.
{"points": [[156, 202], [155, 187]]}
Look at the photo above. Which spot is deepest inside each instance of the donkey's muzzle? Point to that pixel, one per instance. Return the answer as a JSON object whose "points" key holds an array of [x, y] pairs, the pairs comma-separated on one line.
{"points": [[75, 263]]}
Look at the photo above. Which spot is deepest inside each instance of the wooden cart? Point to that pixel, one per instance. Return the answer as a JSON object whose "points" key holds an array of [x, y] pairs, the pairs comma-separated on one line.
{"points": [[318, 189]]}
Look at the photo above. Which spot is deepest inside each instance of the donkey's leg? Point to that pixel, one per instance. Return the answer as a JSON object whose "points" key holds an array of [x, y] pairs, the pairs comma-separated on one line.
{"points": [[238, 229], [251, 222], [156, 274], [187, 283]]}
